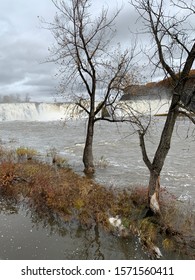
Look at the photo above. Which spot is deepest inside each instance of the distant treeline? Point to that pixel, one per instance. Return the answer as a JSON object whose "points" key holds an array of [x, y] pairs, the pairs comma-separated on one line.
{"points": [[16, 98], [168, 83]]}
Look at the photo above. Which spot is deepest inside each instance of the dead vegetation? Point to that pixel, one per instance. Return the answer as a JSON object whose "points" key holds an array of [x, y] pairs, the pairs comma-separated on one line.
{"points": [[47, 189]]}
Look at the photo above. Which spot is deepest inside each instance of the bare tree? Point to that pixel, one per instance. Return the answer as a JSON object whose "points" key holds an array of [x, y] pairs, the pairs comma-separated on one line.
{"points": [[89, 66], [173, 51]]}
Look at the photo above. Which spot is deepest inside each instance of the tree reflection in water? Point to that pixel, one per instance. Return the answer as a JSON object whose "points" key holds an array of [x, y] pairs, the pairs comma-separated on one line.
{"points": [[47, 236], [28, 234]]}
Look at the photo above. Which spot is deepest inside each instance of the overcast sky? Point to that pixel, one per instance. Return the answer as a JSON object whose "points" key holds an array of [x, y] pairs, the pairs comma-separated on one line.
{"points": [[24, 46]]}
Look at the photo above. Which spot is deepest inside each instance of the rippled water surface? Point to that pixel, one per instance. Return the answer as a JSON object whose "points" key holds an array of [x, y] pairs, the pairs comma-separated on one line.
{"points": [[119, 163], [116, 151]]}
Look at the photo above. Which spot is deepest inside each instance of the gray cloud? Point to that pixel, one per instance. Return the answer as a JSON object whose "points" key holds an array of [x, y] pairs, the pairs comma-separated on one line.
{"points": [[23, 48], [24, 44]]}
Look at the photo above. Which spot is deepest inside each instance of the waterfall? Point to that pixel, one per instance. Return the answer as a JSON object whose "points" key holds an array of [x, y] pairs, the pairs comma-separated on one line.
{"points": [[64, 111], [143, 107], [39, 111]]}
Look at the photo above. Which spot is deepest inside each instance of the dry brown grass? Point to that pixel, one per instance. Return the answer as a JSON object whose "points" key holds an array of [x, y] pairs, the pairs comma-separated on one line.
{"points": [[59, 190]]}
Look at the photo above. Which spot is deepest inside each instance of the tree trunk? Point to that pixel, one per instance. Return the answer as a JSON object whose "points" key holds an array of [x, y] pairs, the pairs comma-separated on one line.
{"points": [[154, 182], [88, 150], [159, 158], [153, 191]]}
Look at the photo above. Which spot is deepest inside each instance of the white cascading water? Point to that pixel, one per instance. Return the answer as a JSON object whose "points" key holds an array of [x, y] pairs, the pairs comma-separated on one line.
{"points": [[57, 111], [38, 111]]}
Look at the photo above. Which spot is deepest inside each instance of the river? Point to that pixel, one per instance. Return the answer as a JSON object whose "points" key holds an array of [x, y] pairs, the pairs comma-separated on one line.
{"points": [[118, 164], [117, 153]]}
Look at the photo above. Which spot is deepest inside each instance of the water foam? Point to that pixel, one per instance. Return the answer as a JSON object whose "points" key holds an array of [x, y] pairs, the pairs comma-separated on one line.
{"points": [[142, 106], [39, 111], [34, 111]]}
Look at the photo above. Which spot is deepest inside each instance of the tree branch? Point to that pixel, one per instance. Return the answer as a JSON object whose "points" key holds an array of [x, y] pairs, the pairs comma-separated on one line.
{"points": [[188, 115], [143, 149]]}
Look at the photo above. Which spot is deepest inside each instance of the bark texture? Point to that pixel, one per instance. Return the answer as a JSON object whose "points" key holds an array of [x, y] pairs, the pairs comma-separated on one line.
{"points": [[88, 149]]}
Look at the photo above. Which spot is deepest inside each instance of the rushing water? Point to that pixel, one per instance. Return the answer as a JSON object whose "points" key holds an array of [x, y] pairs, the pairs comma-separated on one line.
{"points": [[116, 151], [119, 163]]}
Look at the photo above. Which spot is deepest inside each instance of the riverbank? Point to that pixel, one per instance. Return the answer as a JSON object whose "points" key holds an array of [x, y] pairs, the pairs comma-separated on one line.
{"points": [[57, 190]]}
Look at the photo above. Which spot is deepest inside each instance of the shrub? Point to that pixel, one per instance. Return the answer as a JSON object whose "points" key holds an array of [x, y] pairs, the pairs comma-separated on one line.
{"points": [[24, 153], [102, 162], [57, 160]]}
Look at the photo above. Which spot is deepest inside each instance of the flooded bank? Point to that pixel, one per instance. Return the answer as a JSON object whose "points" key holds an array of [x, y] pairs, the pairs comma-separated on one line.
{"points": [[117, 153], [27, 235], [24, 235]]}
